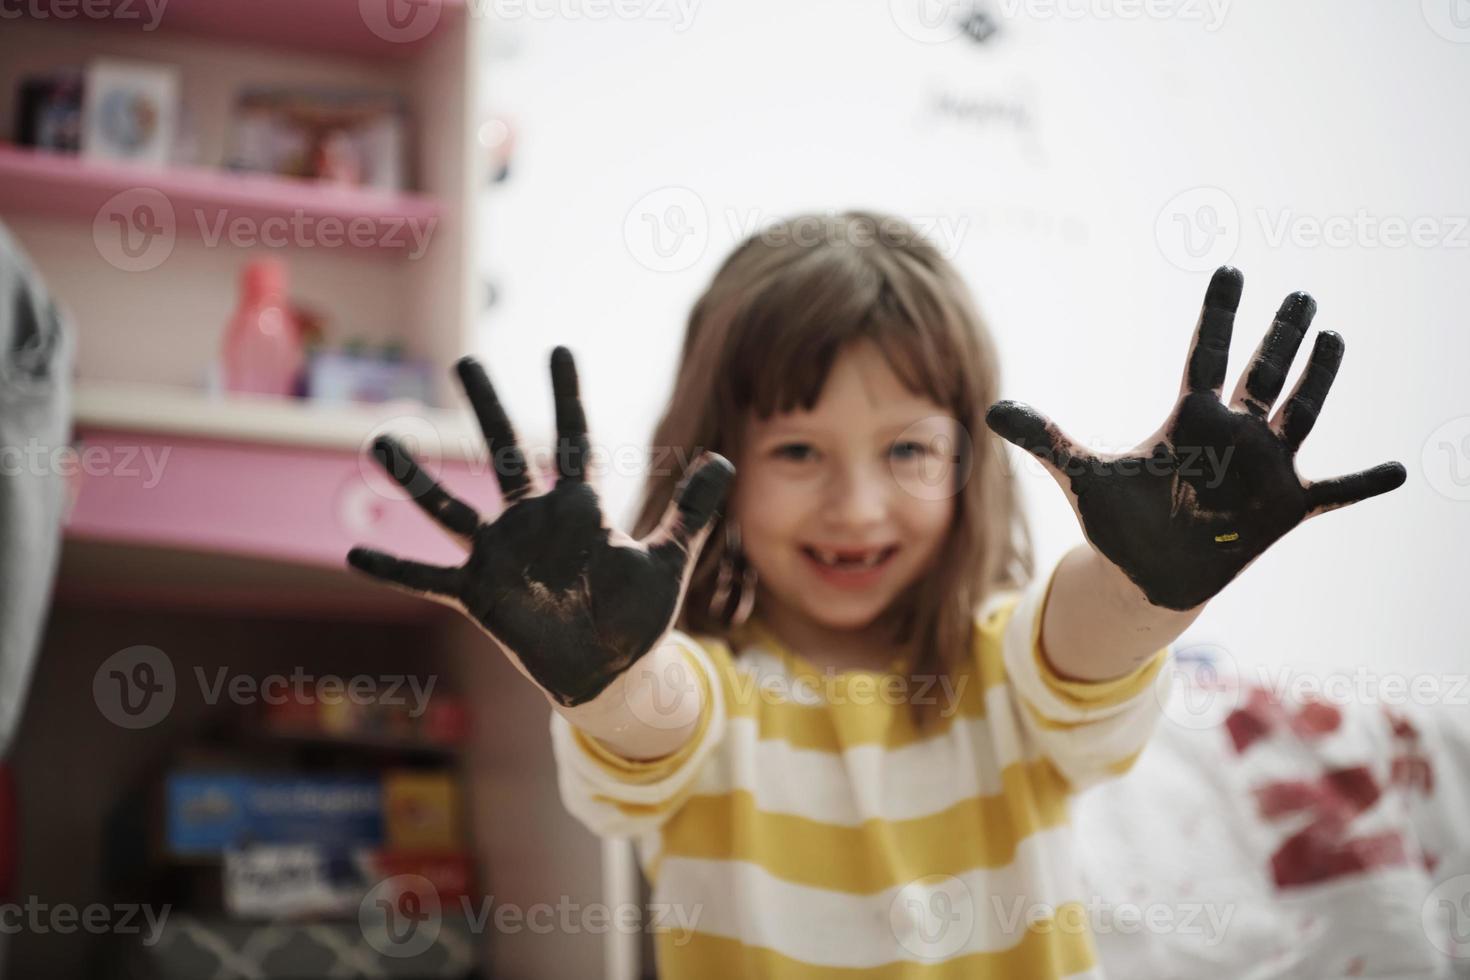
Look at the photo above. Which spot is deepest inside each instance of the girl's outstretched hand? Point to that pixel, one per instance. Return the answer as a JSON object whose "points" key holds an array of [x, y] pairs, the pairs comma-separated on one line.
{"points": [[574, 603], [1189, 507]]}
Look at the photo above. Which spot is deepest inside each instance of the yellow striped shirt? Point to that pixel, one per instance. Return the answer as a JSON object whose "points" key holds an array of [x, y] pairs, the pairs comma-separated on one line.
{"points": [[808, 829]]}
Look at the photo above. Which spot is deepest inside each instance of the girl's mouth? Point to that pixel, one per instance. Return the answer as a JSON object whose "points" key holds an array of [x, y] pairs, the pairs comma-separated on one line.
{"points": [[846, 568]]}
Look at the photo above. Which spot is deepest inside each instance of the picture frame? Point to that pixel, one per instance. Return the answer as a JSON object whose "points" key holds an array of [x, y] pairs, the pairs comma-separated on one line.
{"points": [[130, 111]]}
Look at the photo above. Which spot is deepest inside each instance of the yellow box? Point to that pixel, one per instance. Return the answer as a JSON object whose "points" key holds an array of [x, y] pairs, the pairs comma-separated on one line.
{"points": [[422, 810]]}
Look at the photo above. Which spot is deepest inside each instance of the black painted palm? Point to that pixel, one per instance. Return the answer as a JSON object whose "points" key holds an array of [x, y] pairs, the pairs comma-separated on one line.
{"points": [[1189, 507], [574, 603]]}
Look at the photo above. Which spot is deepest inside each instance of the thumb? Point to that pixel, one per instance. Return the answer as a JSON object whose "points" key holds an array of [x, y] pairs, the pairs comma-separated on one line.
{"points": [[691, 513], [1023, 426]]}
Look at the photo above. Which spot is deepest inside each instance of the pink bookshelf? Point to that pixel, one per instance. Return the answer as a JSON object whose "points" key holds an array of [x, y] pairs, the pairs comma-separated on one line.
{"points": [[144, 335], [250, 475], [67, 186], [243, 531]]}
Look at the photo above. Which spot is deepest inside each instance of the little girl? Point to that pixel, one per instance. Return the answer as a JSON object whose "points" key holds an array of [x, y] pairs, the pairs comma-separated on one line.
{"points": [[844, 732]]}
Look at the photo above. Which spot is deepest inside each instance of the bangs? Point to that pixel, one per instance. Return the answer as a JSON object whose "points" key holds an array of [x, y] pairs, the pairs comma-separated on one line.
{"points": [[789, 330]]}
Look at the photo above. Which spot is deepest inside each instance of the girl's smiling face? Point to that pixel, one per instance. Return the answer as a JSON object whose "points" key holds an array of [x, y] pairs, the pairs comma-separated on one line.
{"points": [[869, 470]]}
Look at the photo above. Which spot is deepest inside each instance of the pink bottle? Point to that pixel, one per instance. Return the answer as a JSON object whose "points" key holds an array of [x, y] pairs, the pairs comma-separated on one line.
{"points": [[263, 351]]}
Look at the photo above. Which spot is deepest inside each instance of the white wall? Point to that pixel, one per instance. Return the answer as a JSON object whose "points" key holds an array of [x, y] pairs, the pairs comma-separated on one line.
{"points": [[1314, 108]]}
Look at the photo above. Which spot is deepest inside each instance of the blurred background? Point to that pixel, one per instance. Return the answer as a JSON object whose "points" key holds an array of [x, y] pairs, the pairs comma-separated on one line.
{"points": [[271, 227]]}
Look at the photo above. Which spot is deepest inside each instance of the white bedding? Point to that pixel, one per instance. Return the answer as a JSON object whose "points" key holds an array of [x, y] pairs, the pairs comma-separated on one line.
{"points": [[1285, 830]]}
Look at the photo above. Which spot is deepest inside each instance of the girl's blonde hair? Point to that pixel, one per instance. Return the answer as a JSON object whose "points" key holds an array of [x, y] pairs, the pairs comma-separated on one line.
{"points": [[764, 336]]}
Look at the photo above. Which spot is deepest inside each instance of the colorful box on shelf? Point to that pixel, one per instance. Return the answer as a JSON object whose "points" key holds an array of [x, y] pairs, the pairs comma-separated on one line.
{"points": [[422, 811], [293, 881], [344, 378], [451, 873], [428, 719], [208, 813]]}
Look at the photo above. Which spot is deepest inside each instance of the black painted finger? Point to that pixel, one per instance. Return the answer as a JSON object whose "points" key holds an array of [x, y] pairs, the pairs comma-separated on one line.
{"points": [[411, 575], [571, 421], [694, 507], [505, 453], [1208, 354], [1344, 490], [1299, 414], [1263, 379], [452, 513], [1024, 426]]}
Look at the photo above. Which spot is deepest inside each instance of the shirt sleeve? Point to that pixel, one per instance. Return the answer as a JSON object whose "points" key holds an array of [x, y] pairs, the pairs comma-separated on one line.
{"points": [[1091, 731], [618, 797]]}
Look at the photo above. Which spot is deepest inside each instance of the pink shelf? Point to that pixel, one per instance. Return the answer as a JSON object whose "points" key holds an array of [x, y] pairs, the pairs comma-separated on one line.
{"points": [[292, 505], [357, 28], [277, 479], [69, 186]]}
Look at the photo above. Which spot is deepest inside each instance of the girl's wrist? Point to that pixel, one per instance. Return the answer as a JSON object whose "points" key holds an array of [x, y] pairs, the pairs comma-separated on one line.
{"points": [[1126, 595], [649, 710], [1098, 625]]}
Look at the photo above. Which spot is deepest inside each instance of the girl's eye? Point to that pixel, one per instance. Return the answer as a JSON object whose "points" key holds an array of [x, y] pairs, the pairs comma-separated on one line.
{"points": [[795, 451]]}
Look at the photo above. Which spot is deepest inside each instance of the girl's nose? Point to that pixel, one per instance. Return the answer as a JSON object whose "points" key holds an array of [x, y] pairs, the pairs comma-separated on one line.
{"points": [[859, 498]]}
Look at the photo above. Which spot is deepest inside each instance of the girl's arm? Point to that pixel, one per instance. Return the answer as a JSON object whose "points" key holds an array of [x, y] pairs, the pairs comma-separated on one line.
{"points": [[1097, 625], [1171, 522], [582, 610], [627, 762]]}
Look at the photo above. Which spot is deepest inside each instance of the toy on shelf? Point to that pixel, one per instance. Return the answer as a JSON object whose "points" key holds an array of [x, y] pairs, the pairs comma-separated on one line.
{"points": [[130, 111], [354, 139], [263, 349], [48, 112], [361, 374]]}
